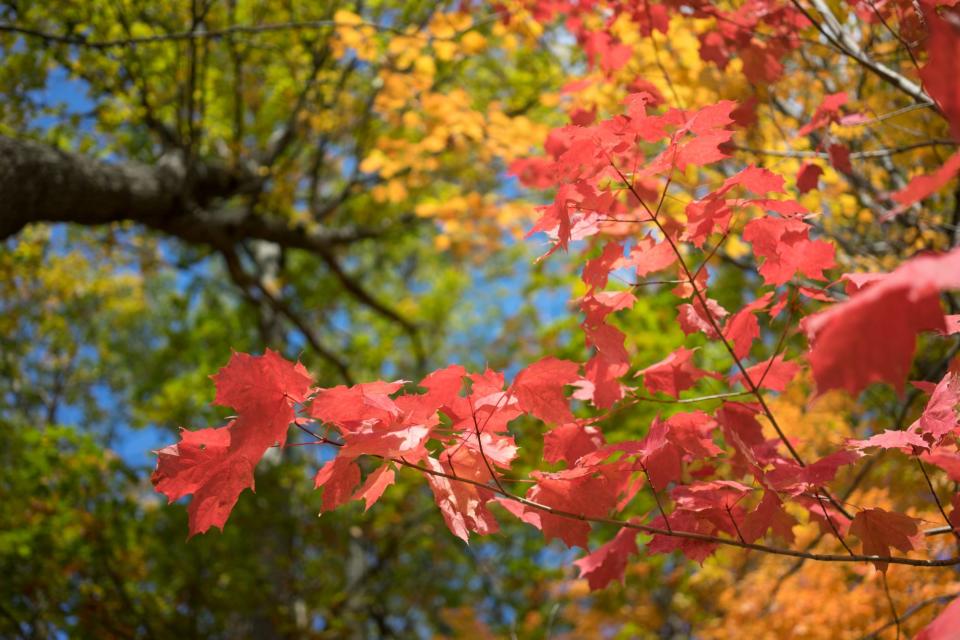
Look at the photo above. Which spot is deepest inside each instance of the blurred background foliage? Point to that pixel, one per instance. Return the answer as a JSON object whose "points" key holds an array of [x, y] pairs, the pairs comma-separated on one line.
{"points": [[393, 124]]}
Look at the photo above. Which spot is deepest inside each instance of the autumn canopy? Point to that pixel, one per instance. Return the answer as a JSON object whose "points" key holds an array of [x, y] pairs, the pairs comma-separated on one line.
{"points": [[740, 419]]}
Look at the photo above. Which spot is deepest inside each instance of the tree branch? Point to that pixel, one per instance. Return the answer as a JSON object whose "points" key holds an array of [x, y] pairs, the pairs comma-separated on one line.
{"points": [[39, 183]]}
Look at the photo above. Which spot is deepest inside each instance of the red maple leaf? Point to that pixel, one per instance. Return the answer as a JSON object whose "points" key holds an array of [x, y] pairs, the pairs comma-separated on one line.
{"points": [[840, 158], [570, 442], [374, 486], [697, 318], [693, 433], [939, 74], [338, 478], [609, 561], [215, 465], [649, 256], [923, 186], [673, 374], [768, 514], [944, 626], [789, 477], [826, 113], [346, 406], [462, 505], [903, 440], [202, 464], [939, 418], [742, 329], [879, 530], [808, 177], [539, 389], [774, 374], [785, 247], [596, 271], [603, 379], [872, 336]]}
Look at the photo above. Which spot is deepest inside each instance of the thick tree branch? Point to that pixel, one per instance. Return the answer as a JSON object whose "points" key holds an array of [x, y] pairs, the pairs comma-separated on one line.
{"points": [[39, 183], [833, 31]]}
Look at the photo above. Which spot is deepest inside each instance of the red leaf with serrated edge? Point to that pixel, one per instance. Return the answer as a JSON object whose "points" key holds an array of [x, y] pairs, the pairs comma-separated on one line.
{"points": [[944, 626], [923, 186], [947, 460], [185, 467], [598, 305], [785, 247], [661, 457], [673, 374], [808, 177], [940, 74], [346, 406], [774, 374], [695, 550], [903, 440], [939, 418], [608, 562], [846, 339], [695, 318], [608, 340], [387, 439], [570, 442], [648, 256], [539, 389], [443, 387], [203, 465], [742, 431], [840, 158], [768, 514], [758, 180], [374, 486], [826, 113], [789, 477], [462, 505], [704, 217], [604, 376], [339, 478], [710, 496], [263, 390], [742, 329], [596, 272], [712, 212], [693, 433], [707, 125], [879, 530], [248, 382], [589, 491]]}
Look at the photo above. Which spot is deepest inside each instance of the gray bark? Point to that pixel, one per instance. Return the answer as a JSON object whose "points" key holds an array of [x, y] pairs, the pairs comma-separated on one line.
{"points": [[39, 183]]}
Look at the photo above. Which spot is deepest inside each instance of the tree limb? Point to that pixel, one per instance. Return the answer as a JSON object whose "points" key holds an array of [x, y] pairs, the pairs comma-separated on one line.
{"points": [[39, 183]]}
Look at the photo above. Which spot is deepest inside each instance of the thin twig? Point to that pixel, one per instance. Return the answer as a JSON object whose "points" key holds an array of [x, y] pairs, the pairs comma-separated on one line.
{"points": [[893, 608], [936, 498], [208, 34]]}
